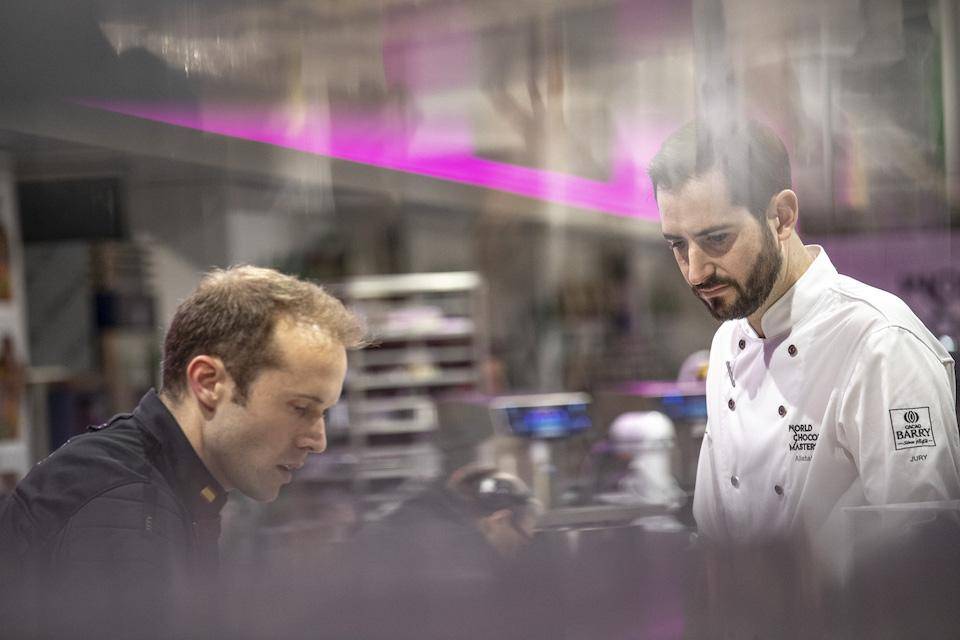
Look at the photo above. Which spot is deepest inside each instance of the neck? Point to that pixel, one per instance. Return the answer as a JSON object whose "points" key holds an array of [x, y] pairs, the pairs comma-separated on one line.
{"points": [[190, 420], [796, 261]]}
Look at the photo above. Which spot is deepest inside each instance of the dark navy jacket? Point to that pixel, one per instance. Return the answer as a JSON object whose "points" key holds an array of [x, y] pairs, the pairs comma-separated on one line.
{"points": [[115, 527]]}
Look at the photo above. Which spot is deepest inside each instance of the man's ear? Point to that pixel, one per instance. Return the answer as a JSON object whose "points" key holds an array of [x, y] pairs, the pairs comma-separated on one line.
{"points": [[784, 211], [206, 379]]}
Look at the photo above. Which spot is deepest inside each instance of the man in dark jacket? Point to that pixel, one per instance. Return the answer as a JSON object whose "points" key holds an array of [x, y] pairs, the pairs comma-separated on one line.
{"points": [[116, 532]]}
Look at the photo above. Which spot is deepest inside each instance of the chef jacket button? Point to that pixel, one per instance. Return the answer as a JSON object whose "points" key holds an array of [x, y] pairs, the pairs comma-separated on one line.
{"points": [[782, 411], [742, 344], [735, 481], [792, 350], [777, 489], [731, 404]]}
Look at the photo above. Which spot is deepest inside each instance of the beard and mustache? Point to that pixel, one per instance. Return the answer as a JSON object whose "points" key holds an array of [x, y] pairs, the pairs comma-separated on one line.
{"points": [[750, 296]]}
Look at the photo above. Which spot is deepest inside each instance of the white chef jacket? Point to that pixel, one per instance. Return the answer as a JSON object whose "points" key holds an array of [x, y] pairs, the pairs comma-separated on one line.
{"points": [[847, 400]]}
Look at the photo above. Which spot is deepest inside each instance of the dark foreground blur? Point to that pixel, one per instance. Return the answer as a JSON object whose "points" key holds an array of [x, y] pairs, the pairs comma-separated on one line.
{"points": [[607, 582], [446, 583], [433, 578]]}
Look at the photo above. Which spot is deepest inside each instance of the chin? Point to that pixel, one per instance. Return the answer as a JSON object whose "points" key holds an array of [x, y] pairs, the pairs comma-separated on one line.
{"points": [[269, 496], [719, 311], [261, 494]]}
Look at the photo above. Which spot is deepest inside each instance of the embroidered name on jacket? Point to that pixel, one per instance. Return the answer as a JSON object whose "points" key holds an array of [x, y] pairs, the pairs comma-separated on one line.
{"points": [[912, 427], [803, 440]]}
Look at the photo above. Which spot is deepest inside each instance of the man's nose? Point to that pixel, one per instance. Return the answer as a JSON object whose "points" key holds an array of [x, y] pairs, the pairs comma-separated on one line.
{"points": [[699, 266], [315, 440]]}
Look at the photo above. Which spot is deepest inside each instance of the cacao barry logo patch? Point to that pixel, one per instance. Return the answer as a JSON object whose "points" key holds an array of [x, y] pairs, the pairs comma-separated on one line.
{"points": [[912, 427]]}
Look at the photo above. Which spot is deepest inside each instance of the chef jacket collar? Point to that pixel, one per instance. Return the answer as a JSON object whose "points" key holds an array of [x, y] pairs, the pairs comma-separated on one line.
{"points": [[799, 299]]}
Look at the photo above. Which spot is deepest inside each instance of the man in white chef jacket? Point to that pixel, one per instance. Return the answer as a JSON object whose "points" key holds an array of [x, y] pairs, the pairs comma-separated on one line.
{"points": [[822, 392]]}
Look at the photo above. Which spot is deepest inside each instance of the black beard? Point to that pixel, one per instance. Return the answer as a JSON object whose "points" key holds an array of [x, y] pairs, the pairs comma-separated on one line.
{"points": [[749, 298]]}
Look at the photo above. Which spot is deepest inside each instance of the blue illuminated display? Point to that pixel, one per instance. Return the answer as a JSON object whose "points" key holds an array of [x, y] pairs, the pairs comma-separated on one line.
{"points": [[548, 422], [685, 407]]}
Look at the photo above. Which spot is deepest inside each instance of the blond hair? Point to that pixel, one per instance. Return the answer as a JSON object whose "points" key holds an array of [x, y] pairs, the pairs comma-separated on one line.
{"points": [[232, 314]]}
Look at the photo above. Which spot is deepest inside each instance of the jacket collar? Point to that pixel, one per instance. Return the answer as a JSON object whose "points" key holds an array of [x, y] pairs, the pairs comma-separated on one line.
{"points": [[178, 461], [794, 305]]}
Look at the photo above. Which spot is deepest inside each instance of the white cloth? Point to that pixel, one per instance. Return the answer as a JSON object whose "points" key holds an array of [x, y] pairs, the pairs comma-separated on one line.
{"points": [[847, 400]]}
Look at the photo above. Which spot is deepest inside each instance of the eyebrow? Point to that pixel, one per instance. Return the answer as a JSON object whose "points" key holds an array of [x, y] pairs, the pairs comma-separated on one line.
{"points": [[699, 234], [307, 396]]}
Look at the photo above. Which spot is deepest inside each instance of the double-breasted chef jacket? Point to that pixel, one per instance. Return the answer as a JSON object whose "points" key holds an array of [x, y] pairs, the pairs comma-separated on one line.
{"points": [[847, 400]]}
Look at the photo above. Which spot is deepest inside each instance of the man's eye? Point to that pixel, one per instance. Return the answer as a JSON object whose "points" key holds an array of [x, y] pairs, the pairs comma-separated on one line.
{"points": [[676, 244], [717, 238], [301, 411]]}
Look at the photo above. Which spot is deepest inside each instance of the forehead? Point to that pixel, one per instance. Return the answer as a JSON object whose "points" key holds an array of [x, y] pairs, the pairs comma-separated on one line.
{"points": [[306, 350], [702, 201]]}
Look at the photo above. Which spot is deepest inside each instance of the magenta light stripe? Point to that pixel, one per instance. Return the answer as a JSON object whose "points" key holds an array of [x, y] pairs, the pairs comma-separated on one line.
{"points": [[438, 150]]}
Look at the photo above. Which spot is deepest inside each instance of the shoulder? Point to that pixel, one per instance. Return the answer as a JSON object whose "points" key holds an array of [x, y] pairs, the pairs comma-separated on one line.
{"points": [[113, 453], [869, 306], [99, 466], [900, 350], [879, 319]]}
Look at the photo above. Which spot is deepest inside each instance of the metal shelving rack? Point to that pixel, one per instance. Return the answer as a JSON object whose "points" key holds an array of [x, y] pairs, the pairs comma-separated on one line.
{"points": [[429, 333]]}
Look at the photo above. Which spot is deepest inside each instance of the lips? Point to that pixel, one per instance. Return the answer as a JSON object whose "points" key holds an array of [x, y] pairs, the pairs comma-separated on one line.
{"points": [[288, 469], [286, 476], [712, 291]]}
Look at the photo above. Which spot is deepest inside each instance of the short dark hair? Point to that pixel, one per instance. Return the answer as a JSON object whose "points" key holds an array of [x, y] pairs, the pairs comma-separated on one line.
{"points": [[749, 155], [232, 315]]}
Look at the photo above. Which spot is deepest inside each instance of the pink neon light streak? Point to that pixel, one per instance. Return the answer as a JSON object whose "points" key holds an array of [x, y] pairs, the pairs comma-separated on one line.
{"points": [[440, 150]]}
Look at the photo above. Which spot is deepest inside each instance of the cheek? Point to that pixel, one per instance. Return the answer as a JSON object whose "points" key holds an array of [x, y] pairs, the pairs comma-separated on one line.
{"points": [[745, 252], [736, 264], [280, 433], [746, 267], [270, 438], [250, 438]]}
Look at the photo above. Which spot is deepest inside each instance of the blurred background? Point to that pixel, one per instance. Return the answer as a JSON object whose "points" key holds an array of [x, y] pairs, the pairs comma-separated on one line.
{"points": [[471, 176]]}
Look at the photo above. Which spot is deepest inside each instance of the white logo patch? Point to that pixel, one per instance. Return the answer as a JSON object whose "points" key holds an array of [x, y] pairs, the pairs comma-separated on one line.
{"points": [[912, 428]]}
